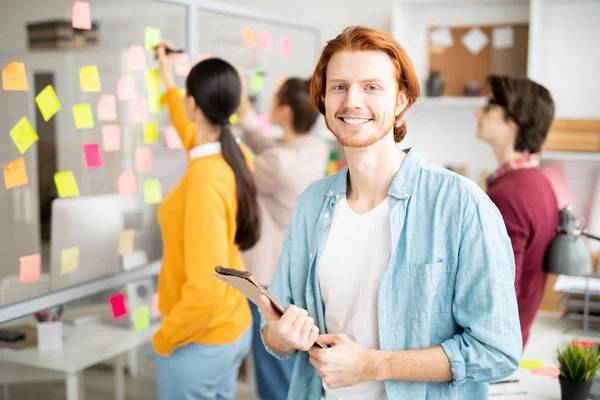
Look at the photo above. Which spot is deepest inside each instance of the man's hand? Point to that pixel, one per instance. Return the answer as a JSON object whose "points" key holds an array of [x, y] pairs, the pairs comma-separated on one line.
{"points": [[343, 365], [245, 104], [294, 330], [165, 64]]}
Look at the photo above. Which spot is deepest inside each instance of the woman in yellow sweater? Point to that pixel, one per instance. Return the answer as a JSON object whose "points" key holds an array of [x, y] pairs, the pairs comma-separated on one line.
{"points": [[205, 221]]}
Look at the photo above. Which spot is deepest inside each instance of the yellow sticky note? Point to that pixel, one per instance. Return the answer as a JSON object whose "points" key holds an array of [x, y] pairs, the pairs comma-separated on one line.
{"points": [[256, 82], [15, 174], [82, 114], [89, 79], [155, 104], [48, 102], [141, 318], [152, 191], [126, 241], [150, 132], [66, 184], [14, 77], [151, 38], [531, 364], [69, 260], [23, 135], [249, 37], [152, 81], [234, 119]]}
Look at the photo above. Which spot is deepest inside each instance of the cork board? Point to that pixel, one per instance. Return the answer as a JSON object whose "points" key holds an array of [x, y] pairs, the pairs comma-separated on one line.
{"points": [[458, 65]]}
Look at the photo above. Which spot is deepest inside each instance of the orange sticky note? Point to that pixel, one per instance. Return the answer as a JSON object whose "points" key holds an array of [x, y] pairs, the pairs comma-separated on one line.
{"points": [[82, 115], [182, 64], [126, 182], [126, 88], [15, 173], [111, 138], [136, 58], [150, 132], [69, 260], [249, 37], [203, 56], [81, 17], [106, 108], [264, 41], [287, 46], [143, 159], [152, 191], [172, 140], [155, 310], [23, 135], [138, 110], [47, 102], [14, 77], [30, 268], [66, 184], [89, 79]]}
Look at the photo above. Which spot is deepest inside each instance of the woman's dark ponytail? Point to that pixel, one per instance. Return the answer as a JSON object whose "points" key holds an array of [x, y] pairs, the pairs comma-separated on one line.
{"points": [[216, 87], [248, 220]]}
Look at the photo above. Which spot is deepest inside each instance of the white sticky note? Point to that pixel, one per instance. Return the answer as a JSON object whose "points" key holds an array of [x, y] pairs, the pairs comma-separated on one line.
{"points": [[442, 37], [503, 37], [475, 40]]}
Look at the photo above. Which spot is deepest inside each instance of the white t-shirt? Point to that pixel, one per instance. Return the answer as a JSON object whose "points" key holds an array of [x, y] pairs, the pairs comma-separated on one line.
{"points": [[353, 258]]}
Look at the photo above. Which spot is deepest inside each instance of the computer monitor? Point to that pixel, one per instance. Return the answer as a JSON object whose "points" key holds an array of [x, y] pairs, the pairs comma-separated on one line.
{"points": [[94, 225]]}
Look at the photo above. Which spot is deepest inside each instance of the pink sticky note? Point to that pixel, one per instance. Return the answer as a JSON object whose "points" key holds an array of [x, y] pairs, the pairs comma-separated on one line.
{"points": [[117, 303], [126, 182], [81, 17], [287, 46], [172, 140], [155, 310], [264, 126], [143, 159], [547, 370], [136, 58], [203, 56], [139, 111], [126, 88], [30, 268], [264, 41], [93, 158], [183, 64], [107, 108], [111, 138]]}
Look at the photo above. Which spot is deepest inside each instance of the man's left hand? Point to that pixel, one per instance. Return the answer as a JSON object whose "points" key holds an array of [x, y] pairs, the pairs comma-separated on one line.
{"points": [[343, 365]]}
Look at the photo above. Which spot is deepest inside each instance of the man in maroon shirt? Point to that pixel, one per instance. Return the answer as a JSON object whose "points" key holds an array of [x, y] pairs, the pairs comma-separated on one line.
{"points": [[515, 122]]}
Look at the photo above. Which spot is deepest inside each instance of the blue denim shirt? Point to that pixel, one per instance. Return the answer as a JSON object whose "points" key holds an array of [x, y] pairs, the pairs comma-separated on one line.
{"points": [[449, 282]]}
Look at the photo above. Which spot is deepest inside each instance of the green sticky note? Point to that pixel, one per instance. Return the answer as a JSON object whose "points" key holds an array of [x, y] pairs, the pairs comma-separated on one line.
{"points": [[141, 318], [152, 191], [531, 364], [47, 102], [23, 135], [152, 79], [234, 119], [155, 104], [150, 132], [82, 115], [66, 184], [256, 82], [151, 38]]}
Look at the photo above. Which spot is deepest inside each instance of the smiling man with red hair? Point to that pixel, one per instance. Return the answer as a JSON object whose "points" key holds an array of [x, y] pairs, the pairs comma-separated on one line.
{"points": [[404, 267]]}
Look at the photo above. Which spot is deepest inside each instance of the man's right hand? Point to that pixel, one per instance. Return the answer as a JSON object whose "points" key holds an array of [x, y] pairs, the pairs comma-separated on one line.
{"points": [[294, 330]]}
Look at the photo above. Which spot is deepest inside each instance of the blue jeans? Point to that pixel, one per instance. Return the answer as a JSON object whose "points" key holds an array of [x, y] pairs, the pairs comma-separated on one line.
{"points": [[200, 371], [273, 376]]}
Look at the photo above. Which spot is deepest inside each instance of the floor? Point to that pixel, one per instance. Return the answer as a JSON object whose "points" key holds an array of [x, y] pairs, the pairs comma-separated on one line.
{"points": [[98, 383]]}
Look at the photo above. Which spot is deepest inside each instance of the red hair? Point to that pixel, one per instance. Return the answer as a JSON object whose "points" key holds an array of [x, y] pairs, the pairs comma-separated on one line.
{"points": [[361, 38]]}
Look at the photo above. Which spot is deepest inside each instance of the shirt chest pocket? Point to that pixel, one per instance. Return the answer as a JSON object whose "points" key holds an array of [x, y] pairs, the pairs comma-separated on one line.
{"points": [[432, 286]]}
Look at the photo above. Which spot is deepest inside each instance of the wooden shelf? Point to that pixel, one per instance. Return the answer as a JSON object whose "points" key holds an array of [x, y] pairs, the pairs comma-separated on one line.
{"points": [[450, 101], [570, 156]]}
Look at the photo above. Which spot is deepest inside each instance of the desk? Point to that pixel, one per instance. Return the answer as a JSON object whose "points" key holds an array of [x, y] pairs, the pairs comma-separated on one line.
{"points": [[83, 347]]}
